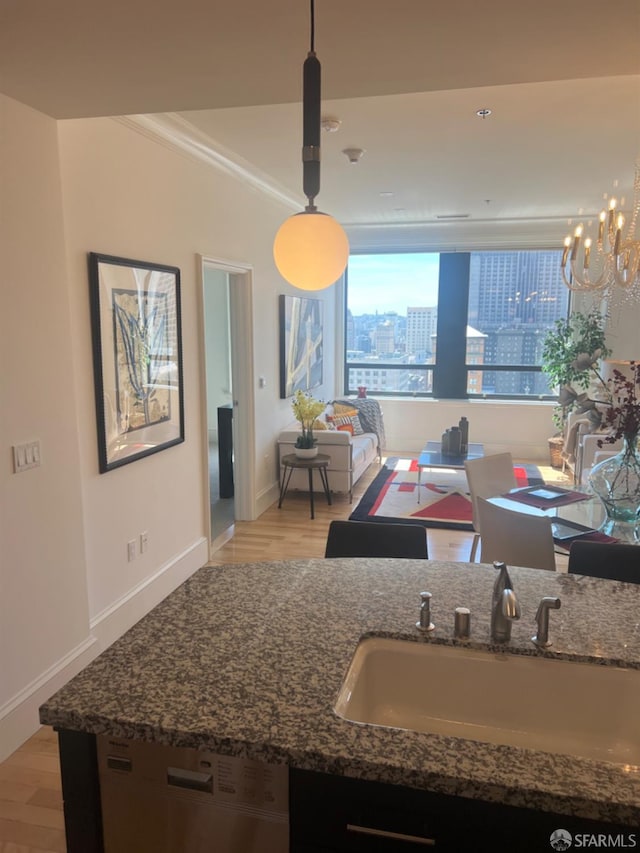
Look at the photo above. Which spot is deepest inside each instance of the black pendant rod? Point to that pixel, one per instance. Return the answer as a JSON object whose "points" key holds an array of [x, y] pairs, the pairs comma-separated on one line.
{"points": [[311, 121]]}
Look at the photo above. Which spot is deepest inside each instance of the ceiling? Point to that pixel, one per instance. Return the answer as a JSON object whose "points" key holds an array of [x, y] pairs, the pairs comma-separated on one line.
{"points": [[561, 77]]}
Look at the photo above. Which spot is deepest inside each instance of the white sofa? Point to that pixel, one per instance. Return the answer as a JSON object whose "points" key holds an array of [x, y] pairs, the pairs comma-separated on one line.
{"points": [[350, 456]]}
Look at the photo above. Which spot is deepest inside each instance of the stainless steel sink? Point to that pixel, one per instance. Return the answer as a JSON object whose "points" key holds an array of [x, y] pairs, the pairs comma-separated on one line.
{"points": [[558, 706]]}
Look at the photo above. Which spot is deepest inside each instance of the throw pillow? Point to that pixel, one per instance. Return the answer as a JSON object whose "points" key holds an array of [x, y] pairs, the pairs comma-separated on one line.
{"points": [[342, 409], [357, 426], [348, 420], [345, 428]]}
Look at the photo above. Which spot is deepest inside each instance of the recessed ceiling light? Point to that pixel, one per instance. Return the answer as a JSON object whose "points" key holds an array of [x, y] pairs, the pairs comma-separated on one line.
{"points": [[386, 194], [484, 112]]}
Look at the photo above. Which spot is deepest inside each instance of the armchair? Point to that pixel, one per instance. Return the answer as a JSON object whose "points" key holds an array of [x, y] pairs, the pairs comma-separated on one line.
{"points": [[581, 445]]}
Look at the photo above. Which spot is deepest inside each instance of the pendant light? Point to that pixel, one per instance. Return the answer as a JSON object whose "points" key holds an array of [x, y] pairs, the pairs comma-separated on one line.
{"points": [[311, 249]]}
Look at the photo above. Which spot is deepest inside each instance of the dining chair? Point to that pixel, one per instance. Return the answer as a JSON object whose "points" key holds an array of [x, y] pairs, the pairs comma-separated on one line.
{"points": [[515, 538], [376, 539], [487, 477], [616, 562]]}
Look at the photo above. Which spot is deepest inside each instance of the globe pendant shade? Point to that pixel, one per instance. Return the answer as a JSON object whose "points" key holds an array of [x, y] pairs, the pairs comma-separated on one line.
{"points": [[311, 250]]}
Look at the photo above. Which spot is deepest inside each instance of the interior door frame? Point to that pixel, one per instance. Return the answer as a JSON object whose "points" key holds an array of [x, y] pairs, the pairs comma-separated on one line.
{"points": [[242, 373]]}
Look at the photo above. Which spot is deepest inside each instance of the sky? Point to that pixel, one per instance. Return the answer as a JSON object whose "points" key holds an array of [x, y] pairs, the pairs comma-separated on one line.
{"points": [[392, 282]]}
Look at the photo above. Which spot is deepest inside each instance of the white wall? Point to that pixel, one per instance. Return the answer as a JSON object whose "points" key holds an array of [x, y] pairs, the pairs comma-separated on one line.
{"points": [[520, 428], [43, 590], [127, 195], [67, 589], [623, 328]]}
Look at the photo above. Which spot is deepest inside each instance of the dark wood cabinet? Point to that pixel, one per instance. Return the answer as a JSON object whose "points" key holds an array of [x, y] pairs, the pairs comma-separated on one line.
{"points": [[80, 792], [341, 815]]}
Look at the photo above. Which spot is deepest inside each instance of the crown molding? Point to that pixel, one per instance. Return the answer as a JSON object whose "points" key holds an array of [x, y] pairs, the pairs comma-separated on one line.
{"points": [[173, 131], [460, 236]]}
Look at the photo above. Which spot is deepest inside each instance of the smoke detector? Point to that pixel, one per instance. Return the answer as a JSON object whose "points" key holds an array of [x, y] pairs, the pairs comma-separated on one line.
{"points": [[353, 154], [330, 125]]}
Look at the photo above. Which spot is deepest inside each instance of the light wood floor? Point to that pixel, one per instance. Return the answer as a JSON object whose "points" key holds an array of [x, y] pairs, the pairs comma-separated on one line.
{"points": [[31, 818]]}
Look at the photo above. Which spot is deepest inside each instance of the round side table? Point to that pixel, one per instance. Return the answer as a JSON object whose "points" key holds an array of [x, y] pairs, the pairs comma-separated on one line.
{"points": [[318, 463]]}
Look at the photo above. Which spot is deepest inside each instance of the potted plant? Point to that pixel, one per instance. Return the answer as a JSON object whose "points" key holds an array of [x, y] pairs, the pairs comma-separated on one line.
{"points": [[570, 355], [306, 409]]}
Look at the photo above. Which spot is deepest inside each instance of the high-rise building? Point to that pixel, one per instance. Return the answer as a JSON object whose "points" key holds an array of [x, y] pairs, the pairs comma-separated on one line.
{"points": [[516, 288], [421, 327], [518, 346], [351, 331], [385, 338], [514, 297]]}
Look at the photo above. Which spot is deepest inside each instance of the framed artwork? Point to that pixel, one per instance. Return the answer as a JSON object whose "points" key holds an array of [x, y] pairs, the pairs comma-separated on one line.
{"points": [[137, 358], [300, 344]]}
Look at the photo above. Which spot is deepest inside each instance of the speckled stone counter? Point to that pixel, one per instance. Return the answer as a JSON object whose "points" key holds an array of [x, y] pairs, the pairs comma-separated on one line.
{"points": [[248, 660]]}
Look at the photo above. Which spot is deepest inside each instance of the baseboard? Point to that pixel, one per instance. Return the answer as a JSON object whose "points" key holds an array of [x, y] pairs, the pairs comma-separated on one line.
{"points": [[114, 620], [19, 716], [266, 498]]}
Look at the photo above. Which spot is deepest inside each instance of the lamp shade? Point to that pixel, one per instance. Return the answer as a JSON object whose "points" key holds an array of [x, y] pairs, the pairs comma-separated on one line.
{"points": [[311, 250]]}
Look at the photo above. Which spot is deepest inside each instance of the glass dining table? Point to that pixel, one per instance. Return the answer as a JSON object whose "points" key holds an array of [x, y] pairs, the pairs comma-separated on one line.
{"points": [[579, 518], [569, 520]]}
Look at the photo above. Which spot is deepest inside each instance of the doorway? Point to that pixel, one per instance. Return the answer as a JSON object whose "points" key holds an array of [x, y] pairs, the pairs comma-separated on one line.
{"points": [[229, 405], [219, 381]]}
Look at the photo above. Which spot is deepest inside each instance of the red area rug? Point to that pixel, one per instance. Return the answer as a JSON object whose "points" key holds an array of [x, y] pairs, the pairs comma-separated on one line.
{"points": [[444, 499]]}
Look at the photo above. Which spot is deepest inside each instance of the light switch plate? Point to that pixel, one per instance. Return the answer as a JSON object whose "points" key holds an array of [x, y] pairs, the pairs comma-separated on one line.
{"points": [[26, 456]]}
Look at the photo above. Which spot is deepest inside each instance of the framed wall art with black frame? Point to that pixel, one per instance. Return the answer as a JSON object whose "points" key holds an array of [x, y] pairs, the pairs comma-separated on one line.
{"points": [[137, 358], [301, 346]]}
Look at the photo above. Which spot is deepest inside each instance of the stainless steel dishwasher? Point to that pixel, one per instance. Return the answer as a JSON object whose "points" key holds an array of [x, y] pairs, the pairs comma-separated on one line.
{"points": [[161, 799]]}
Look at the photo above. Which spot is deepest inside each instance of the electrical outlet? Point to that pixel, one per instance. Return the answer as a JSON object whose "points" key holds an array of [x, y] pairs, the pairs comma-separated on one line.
{"points": [[131, 550], [144, 541]]}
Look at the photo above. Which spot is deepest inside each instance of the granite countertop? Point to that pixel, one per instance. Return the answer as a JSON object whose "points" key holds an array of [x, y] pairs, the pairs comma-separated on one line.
{"points": [[248, 660]]}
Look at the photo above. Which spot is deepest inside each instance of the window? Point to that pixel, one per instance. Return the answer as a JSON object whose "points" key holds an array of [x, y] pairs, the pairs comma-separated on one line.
{"points": [[452, 324]]}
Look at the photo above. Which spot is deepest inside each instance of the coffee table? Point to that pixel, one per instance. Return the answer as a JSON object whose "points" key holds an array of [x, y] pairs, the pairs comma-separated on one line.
{"points": [[433, 457]]}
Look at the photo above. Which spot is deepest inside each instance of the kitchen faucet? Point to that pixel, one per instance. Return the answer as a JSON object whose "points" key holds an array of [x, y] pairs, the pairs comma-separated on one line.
{"points": [[505, 606]]}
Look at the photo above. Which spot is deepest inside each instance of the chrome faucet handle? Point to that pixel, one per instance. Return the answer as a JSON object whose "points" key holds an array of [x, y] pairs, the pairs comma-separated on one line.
{"points": [[541, 638], [424, 623]]}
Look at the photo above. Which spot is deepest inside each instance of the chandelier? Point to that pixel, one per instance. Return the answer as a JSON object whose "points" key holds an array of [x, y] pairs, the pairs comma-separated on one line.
{"points": [[613, 262]]}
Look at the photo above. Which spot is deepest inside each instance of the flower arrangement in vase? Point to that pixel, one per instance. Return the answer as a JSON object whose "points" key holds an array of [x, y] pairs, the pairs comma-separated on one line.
{"points": [[616, 480], [306, 409]]}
